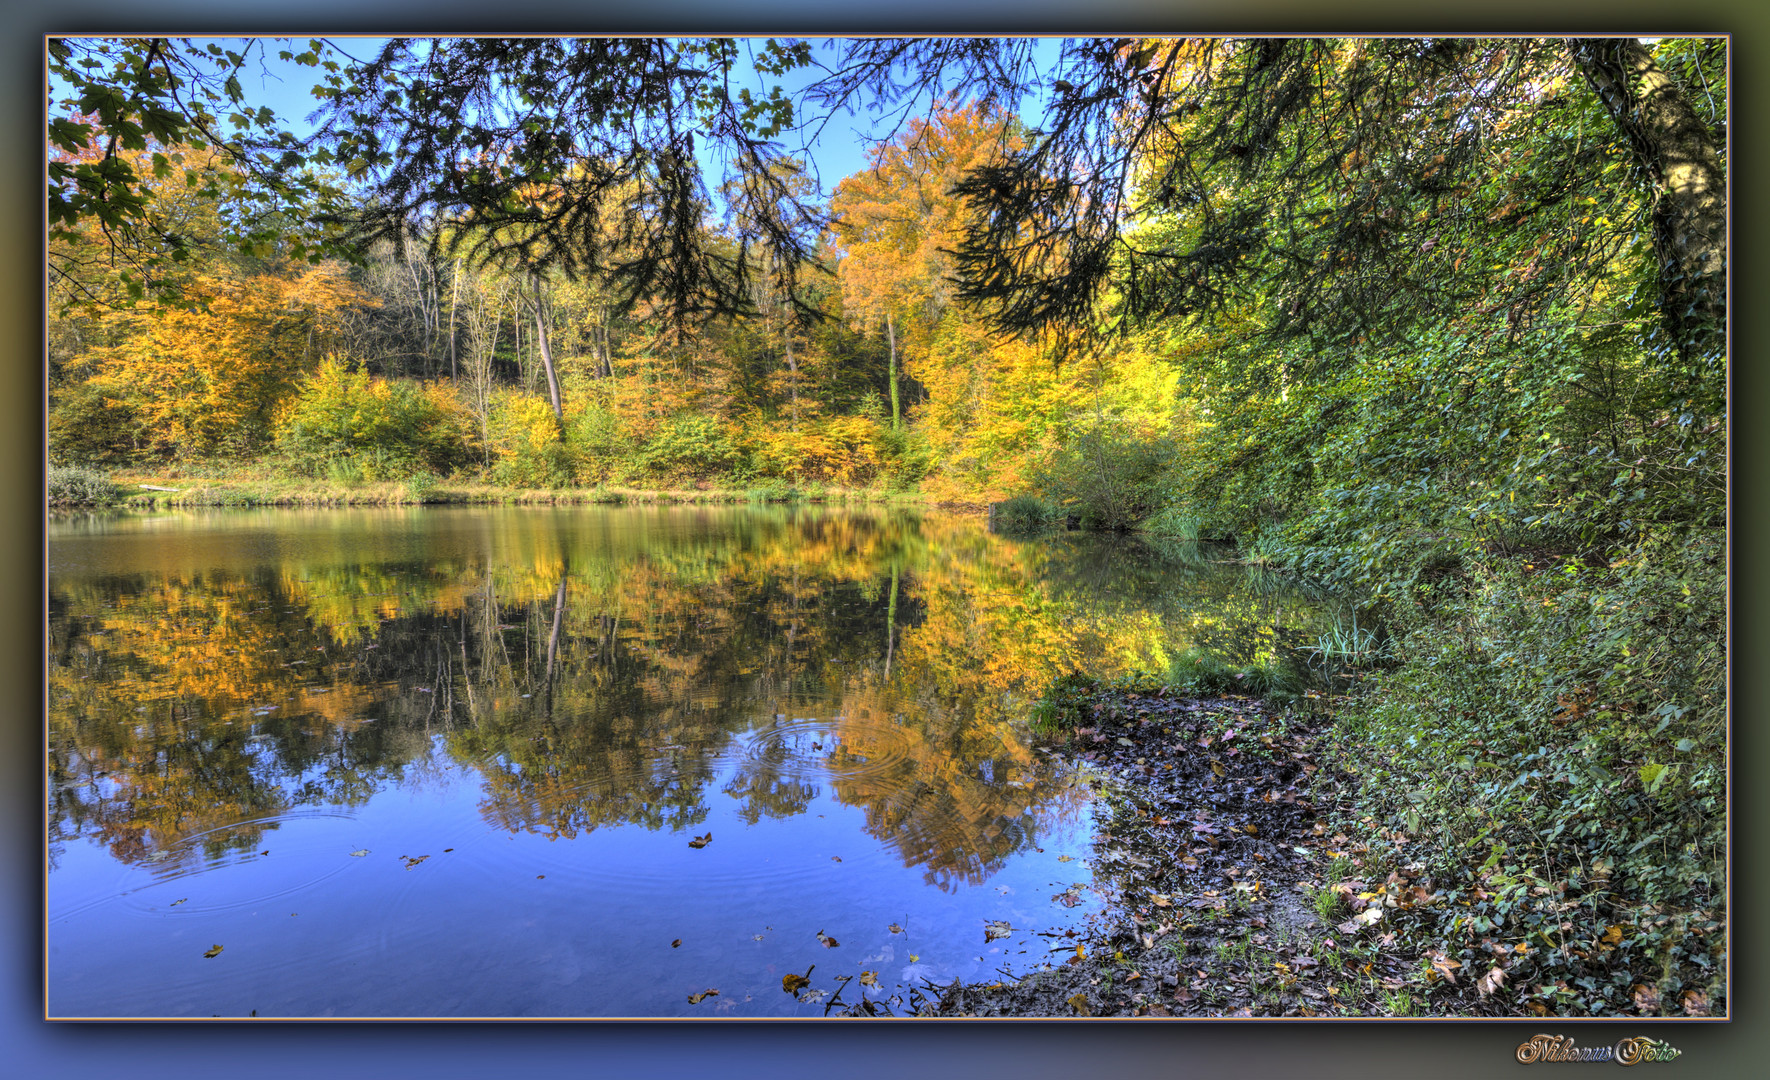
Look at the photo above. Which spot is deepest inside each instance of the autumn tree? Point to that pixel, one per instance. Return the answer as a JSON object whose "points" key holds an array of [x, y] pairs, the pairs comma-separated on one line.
{"points": [[897, 220], [209, 377]]}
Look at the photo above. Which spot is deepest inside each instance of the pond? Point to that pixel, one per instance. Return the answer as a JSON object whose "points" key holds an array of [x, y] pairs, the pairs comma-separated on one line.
{"points": [[575, 762]]}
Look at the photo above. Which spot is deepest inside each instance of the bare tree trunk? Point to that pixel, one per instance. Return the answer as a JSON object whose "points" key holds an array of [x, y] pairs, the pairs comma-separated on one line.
{"points": [[454, 296], [891, 338], [793, 375], [540, 306]]}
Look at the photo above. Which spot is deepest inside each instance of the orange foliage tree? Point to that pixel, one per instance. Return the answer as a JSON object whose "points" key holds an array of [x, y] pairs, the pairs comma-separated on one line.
{"points": [[897, 219]]}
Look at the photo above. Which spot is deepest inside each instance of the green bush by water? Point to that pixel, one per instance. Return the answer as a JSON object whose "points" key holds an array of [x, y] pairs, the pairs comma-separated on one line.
{"points": [[1025, 514], [74, 485]]}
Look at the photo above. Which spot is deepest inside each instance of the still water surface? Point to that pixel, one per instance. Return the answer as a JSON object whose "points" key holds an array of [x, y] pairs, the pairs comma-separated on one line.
{"points": [[457, 762]]}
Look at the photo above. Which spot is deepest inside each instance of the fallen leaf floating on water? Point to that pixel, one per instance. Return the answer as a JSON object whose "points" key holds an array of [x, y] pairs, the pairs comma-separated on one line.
{"points": [[411, 862], [835, 858], [869, 978], [996, 928], [175, 903], [677, 944], [701, 841], [914, 958], [827, 941], [792, 983], [696, 999], [212, 953], [360, 854], [1066, 858], [895, 929]]}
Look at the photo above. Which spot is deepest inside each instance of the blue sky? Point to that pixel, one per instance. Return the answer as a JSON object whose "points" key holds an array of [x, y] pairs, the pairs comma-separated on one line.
{"points": [[287, 90]]}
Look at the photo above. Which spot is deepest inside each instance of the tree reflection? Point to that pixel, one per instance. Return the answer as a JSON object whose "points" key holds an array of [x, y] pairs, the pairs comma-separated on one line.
{"points": [[614, 668]]}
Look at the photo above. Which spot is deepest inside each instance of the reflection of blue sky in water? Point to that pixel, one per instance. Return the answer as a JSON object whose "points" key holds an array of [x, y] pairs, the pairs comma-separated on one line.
{"points": [[716, 672]]}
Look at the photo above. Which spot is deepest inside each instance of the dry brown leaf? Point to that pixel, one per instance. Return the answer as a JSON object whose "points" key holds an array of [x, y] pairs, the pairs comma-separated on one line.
{"points": [[1490, 983]]}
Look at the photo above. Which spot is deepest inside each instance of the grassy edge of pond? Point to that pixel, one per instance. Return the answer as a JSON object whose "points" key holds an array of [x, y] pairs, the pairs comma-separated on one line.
{"points": [[150, 490], [1244, 879]]}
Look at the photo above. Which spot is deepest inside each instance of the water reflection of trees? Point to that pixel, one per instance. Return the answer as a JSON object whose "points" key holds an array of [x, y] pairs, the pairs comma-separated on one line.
{"points": [[600, 669]]}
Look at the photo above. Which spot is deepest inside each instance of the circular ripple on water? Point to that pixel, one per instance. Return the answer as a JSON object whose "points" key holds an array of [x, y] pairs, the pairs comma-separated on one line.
{"points": [[842, 749], [287, 855]]}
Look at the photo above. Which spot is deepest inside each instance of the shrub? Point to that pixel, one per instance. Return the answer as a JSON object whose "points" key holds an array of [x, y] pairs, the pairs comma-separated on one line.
{"points": [[525, 437], [1109, 477], [688, 445], [597, 443], [85, 427], [1549, 720], [386, 430], [72, 485], [1024, 514]]}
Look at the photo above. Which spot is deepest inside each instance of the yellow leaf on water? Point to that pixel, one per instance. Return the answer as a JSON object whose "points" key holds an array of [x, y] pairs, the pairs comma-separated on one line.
{"points": [[696, 999], [869, 978], [212, 953]]}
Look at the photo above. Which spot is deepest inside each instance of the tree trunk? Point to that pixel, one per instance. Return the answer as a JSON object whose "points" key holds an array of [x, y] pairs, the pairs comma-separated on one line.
{"points": [[891, 338], [793, 375], [454, 296], [547, 356], [1673, 148]]}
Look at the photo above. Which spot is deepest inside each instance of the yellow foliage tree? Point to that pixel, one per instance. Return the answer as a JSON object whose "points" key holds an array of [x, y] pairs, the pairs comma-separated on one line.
{"points": [[208, 376]]}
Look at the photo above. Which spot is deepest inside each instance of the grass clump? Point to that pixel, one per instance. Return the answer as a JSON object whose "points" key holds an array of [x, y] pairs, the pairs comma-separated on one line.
{"points": [[1025, 514], [75, 485]]}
